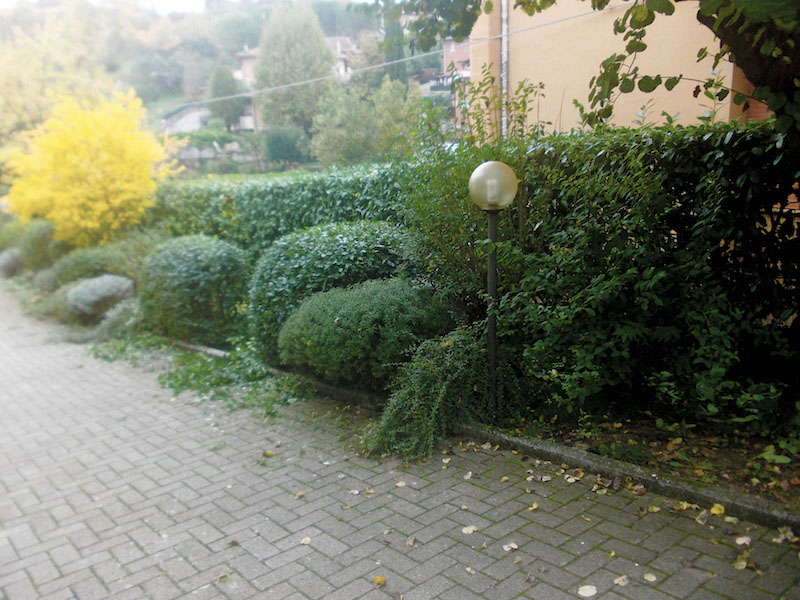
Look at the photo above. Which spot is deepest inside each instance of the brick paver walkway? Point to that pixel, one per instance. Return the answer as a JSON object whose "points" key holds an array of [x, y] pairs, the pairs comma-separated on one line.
{"points": [[109, 488]]}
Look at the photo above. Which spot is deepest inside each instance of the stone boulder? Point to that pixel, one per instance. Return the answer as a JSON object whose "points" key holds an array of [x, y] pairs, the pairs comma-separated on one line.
{"points": [[90, 298], [10, 261]]}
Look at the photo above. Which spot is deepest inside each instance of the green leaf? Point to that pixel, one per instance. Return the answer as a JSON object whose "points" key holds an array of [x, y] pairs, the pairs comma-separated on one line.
{"points": [[488, 6], [647, 83], [641, 16], [665, 7], [626, 86], [671, 82], [635, 46]]}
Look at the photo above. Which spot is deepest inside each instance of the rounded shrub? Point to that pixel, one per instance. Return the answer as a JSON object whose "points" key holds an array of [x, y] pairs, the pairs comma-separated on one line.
{"points": [[359, 335], [191, 288], [318, 259]]}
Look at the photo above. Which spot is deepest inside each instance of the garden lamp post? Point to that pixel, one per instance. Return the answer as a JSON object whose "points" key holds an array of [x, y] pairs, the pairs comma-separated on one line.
{"points": [[492, 186]]}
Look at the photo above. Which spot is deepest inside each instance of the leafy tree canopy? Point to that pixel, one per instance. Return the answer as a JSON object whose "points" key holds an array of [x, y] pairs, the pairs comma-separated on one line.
{"points": [[223, 84], [292, 50], [761, 36]]}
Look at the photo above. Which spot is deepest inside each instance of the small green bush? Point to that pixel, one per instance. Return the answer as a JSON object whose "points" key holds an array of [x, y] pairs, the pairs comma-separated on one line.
{"points": [[123, 257], [359, 335], [11, 231], [318, 259], [447, 382], [191, 288]]}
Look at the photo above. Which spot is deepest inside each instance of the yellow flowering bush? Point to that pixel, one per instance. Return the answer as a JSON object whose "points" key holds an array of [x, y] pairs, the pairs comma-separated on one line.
{"points": [[91, 171]]}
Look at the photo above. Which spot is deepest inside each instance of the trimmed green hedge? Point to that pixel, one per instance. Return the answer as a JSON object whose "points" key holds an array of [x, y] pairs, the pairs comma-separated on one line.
{"points": [[192, 288], [252, 213], [319, 259], [651, 269], [359, 335]]}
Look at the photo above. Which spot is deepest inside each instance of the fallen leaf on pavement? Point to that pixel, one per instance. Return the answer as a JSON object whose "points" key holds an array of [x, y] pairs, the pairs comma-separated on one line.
{"points": [[470, 529], [744, 540], [510, 547], [470, 570], [305, 541], [717, 510], [650, 577], [533, 506], [587, 591], [622, 581], [379, 581]]}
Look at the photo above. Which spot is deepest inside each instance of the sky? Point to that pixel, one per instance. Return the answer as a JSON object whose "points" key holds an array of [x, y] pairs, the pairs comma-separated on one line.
{"points": [[161, 6]]}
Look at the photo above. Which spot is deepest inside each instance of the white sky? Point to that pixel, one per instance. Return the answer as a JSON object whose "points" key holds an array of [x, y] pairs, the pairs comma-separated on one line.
{"points": [[161, 6]]}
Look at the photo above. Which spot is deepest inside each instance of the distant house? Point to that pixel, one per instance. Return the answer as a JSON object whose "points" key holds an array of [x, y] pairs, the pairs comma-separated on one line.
{"points": [[344, 49], [251, 119]]}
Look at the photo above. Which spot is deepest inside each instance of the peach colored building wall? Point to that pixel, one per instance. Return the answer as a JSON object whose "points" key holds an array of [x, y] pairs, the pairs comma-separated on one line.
{"points": [[564, 45]]}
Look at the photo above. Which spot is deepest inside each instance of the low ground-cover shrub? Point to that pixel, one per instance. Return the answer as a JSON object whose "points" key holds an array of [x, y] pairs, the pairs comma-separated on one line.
{"points": [[123, 257], [252, 212], [192, 288], [319, 259], [360, 335], [447, 382]]}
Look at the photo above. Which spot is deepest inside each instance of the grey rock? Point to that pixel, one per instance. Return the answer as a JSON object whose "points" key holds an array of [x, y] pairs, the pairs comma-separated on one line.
{"points": [[90, 298]]}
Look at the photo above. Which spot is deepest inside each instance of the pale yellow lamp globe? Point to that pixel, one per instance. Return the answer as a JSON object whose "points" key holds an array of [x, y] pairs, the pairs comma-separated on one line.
{"points": [[493, 185]]}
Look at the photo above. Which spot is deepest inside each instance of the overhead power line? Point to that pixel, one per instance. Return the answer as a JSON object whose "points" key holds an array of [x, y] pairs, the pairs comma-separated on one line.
{"points": [[383, 65]]}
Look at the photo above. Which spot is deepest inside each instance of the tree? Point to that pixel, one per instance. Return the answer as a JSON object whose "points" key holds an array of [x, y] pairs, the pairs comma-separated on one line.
{"points": [[223, 84], [234, 31], [358, 125], [90, 170], [293, 50], [759, 35], [42, 60]]}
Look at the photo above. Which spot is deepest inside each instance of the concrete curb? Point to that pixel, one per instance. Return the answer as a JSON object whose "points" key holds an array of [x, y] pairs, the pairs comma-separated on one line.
{"points": [[749, 508]]}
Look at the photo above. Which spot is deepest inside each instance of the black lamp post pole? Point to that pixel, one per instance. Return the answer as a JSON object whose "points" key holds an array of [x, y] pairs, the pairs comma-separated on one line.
{"points": [[491, 287]]}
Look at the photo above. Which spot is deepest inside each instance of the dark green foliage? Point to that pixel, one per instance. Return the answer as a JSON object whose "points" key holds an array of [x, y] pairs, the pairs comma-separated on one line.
{"points": [[287, 143], [191, 288], [318, 259], [447, 382], [662, 274], [359, 335], [223, 85], [654, 269], [252, 213]]}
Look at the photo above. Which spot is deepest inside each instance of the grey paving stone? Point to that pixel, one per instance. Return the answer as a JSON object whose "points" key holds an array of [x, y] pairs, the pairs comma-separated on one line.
{"points": [[112, 488]]}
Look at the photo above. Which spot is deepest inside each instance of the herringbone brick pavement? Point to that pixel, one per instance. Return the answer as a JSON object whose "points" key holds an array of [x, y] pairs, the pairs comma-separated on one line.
{"points": [[112, 488]]}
